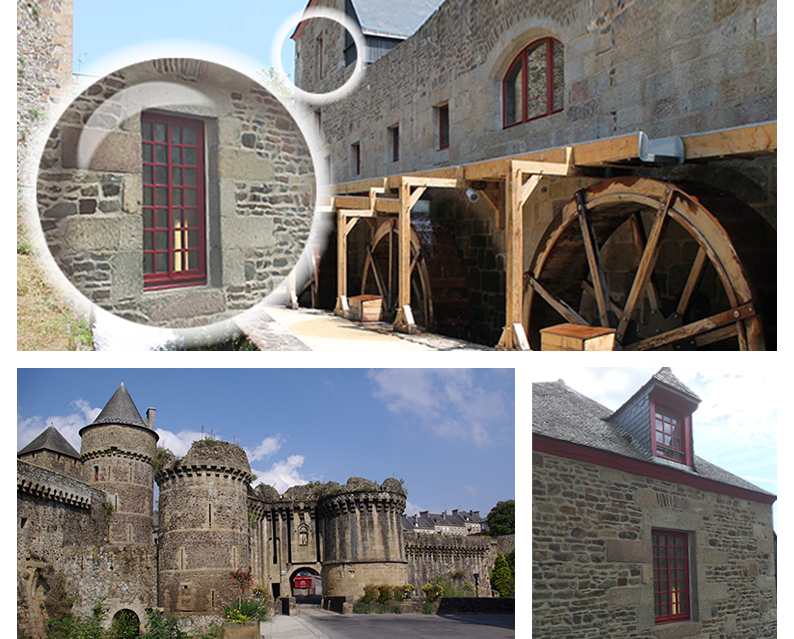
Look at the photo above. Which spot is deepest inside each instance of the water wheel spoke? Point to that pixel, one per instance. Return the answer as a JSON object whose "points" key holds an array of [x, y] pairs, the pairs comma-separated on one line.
{"points": [[382, 290], [640, 240], [593, 261], [698, 266], [698, 328], [587, 287], [557, 304], [644, 269]]}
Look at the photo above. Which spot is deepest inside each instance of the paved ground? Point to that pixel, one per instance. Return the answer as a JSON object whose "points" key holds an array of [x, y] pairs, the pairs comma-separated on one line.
{"points": [[319, 624], [278, 328]]}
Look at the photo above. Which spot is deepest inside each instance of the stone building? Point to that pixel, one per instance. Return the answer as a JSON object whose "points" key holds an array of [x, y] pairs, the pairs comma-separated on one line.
{"points": [[87, 527], [176, 192], [634, 535], [640, 84]]}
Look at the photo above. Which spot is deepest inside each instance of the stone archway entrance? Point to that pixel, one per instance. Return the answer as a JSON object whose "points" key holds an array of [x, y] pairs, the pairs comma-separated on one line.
{"points": [[126, 623], [306, 582]]}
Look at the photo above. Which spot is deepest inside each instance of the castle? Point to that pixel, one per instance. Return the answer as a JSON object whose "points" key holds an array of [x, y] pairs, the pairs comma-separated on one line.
{"points": [[88, 518]]}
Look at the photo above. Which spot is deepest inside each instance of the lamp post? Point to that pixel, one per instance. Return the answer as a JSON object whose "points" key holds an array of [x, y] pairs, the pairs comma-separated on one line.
{"points": [[477, 584]]}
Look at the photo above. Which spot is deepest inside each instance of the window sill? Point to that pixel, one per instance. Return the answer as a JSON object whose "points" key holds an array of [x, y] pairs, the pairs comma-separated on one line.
{"points": [[677, 629]]}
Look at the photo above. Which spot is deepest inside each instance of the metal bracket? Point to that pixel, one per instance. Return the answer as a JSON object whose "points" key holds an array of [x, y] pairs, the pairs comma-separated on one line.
{"points": [[661, 150]]}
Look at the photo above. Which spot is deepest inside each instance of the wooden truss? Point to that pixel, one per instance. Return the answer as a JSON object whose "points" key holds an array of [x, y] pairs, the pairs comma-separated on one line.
{"points": [[508, 183]]}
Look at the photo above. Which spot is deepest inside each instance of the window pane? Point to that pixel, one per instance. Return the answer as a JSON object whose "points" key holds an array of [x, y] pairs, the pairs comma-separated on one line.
{"points": [[161, 197], [190, 157], [160, 154], [176, 197], [148, 263], [146, 130], [176, 175], [190, 177], [176, 154], [148, 172], [192, 260], [191, 197], [177, 218], [176, 135], [512, 89], [148, 241], [147, 196], [162, 240], [190, 136], [162, 218], [537, 103], [162, 262], [191, 218], [148, 218], [159, 133], [161, 175], [558, 91], [147, 152]]}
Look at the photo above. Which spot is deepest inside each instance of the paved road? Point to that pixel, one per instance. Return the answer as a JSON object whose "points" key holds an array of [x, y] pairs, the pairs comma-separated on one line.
{"points": [[414, 626]]}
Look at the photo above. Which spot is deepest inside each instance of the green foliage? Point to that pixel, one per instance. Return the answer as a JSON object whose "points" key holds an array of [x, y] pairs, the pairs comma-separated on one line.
{"points": [[126, 625], [502, 518], [382, 599], [502, 577], [433, 591], [427, 608], [215, 631], [162, 626], [245, 607], [454, 585]]}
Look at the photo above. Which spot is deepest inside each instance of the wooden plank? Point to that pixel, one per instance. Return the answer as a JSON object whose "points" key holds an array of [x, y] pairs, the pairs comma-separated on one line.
{"points": [[692, 330], [640, 241], [387, 205], [593, 260], [341, 263], [575, 337], [755, 139], [558, 305], [646, 265], [698, 266], [414, 198], [601, 152], [404, 316], [351, 202]]}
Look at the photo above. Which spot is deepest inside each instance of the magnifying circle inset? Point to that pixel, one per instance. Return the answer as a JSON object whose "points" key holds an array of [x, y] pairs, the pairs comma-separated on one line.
{"points": [[335, 16]]}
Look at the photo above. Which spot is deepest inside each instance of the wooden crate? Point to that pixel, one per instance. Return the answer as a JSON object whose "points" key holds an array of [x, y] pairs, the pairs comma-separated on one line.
{"points": [[366, 308], [575, 337]]}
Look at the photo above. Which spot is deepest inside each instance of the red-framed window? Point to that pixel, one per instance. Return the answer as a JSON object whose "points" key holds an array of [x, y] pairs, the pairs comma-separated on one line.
{"points": [[534, 84], [670, 434], [670, 576], [173, 201], [443, 127]]}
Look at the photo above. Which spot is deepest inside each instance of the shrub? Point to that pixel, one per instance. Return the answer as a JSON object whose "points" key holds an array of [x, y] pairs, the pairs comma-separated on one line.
{"points": [[433, 591], [502, 578], [162, 626]]}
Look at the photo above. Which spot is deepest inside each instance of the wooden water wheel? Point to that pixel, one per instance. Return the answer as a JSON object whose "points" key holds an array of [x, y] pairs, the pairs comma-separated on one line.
{"points": [[438, 282], [670, 266]]}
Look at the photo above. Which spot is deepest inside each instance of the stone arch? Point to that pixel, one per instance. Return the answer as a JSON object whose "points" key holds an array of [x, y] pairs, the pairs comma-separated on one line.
{"points": [[305, 571], [117, 609]]}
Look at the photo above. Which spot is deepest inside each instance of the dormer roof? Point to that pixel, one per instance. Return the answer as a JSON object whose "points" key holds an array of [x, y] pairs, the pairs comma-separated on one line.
{"points": [[120, 409], [50, 440], [560, 413]]}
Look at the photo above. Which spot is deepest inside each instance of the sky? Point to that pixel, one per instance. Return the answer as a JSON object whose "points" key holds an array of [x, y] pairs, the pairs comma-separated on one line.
{"points": [[449, 434], [246, 27], [735, 425]]}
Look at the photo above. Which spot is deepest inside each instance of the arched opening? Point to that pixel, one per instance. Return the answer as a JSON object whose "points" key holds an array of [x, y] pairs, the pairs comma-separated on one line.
{"points": [[534, 85], [306, 583], [125, 625]]}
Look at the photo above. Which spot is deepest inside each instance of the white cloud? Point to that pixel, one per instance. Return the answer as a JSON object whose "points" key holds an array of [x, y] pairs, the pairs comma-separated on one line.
{"points": [[412, 509], [67, 425], [266, 448], [447, 401], [282, 474], [178, 443]]}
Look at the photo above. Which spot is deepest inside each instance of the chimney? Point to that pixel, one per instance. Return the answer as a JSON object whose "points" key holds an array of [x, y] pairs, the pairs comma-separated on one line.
{"points": [[150, 417]]}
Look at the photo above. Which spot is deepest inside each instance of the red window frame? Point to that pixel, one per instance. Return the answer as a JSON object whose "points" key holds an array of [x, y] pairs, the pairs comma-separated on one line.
{"points": [[670, 432], [174, 243], [548, 78], [443, 127], [670, 576]]}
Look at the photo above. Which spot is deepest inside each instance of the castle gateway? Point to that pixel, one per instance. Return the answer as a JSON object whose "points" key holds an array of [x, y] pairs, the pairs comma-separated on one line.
{"points": [[88, 519]]}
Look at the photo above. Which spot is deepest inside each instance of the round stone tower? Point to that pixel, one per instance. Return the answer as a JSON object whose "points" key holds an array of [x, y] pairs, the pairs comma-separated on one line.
{"points": [[203, 525], [362, 537], [117, 450]]}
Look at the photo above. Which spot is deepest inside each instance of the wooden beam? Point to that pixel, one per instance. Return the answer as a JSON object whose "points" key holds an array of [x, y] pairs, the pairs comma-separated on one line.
{"points": [[404, 320], [414, 198], [645, 268], [640, 241], [593, 261], [341, 262], [692, 280], [601, 152], [755, 139], [557, 304], [692, 330]]}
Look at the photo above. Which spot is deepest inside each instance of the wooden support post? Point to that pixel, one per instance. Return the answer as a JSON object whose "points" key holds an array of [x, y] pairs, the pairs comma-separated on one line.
{"points": [[517, 192], [341, 262], [403, 321]]}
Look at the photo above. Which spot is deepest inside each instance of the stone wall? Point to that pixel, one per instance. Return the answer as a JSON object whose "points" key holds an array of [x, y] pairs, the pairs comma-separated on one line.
{"points": [[592, 559], [450, 556], [670, 68], [259, 190], [204, 526]]}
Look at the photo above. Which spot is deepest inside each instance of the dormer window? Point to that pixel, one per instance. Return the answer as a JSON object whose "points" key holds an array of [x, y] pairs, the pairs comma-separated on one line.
{"points": [[668, 435], [671, 427]]}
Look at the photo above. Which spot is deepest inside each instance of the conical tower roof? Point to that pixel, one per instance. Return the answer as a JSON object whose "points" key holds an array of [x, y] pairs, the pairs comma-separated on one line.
{"points": [[120, 409], [50, 440]]}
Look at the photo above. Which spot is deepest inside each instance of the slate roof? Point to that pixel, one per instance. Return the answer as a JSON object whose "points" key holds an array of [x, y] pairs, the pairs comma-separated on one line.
{"points": [[393, 19], [560, 412], [50, 440], [120, 409]]}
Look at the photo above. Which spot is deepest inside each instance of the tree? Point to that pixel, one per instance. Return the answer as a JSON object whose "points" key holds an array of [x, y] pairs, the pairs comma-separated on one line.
{"points": [[502, 578], [502, 518]]}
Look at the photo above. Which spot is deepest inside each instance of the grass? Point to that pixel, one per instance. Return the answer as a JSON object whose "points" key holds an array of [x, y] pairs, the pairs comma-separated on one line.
{"points": [[45, 321]]}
